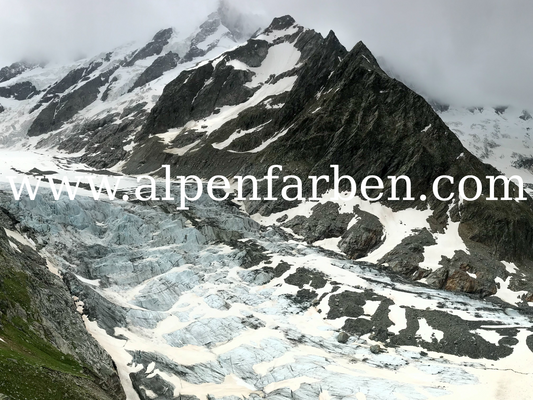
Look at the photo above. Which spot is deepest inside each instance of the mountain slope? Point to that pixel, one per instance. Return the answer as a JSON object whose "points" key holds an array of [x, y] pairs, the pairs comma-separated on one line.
{"points": [[288, 96], [77, 106], [500, 136], [45, 350]]}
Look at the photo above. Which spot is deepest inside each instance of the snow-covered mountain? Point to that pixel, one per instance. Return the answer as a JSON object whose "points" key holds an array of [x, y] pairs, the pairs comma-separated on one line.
{"points": [[324, 299], [500, 136], [46, 105]]}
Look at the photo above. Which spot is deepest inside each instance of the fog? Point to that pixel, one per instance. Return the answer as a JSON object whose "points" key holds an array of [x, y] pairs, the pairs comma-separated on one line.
{"points": [[473, 52]]}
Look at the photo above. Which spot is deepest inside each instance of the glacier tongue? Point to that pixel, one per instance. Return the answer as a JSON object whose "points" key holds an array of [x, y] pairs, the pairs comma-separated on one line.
{"points": [[210, 304]]}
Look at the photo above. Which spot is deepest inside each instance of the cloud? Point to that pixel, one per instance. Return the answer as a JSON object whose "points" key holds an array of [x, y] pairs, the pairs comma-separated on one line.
{"points": [[469, 52], [63, 29]]}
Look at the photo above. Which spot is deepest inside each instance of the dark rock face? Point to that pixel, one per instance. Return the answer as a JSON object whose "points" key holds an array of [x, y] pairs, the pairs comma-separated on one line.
{"points": [[460, 281], [72, 78], [459, 336], [325, 222], [505, 227], [226, 86], [523, 163], [194, 96], [281, 23], [501, 109], [405, 257], [346, 304], [207, 29], [98, 308], [303, 276], [281, 268], [155, 47], [163, 389], [41, 328], [2, 109], [252, 254], [526, 116], [19, 91], [193, 53], [107, 90], [105, 138], [215, 21], [362, 238], [57, 112], [15, 69], [469, 273], [157, 69]]}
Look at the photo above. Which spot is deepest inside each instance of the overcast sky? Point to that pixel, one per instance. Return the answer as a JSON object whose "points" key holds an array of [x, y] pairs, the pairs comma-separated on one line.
{"points": [[461, 51]]}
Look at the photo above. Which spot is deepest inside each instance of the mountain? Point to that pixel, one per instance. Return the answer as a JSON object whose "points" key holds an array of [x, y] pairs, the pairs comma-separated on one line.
{"points": [[75, 101], [270, 299], [500, 136], [241, 112]]}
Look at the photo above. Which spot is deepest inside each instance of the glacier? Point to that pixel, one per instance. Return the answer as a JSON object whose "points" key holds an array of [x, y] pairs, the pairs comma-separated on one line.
{"points": [[212, 304]]}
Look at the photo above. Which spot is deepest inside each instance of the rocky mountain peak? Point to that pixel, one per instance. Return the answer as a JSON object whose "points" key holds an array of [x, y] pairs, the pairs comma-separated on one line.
{"points": [[281, 23], [360, 54], [154, 47], [333, 47], [207, 29], [331, 37], [525, 115], [163, 35], [15, 69]]}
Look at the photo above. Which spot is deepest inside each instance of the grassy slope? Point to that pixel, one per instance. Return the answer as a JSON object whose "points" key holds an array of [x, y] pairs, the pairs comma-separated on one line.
{"points": [[31, 367]]}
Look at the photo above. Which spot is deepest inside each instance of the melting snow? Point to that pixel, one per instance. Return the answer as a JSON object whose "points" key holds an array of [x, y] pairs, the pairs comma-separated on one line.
{"points": [[447, 244], [507, 294], [272, 36], [397, 316], [510, 267], [268, 142], [237, 135], [427, 333], [280, 58]]}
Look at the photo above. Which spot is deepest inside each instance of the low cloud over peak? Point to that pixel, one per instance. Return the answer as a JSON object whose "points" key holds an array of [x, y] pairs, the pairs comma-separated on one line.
{"points": [[472, 53]]}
